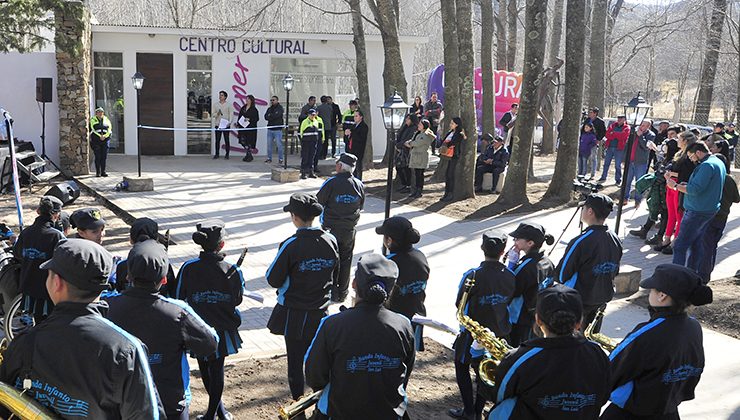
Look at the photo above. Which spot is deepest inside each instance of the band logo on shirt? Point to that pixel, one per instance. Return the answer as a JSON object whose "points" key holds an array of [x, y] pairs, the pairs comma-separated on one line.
{"points": [[372, 363], [34, 254], [50, 396], [413, 288], [210, 296], [492, 300], [315, 264], [607, 267], [568, 401], [346, 199], [681, 373], [155, 358]]}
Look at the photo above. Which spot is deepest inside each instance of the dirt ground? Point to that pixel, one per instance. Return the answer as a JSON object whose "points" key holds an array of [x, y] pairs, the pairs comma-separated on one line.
{"points": [[263, 386]]}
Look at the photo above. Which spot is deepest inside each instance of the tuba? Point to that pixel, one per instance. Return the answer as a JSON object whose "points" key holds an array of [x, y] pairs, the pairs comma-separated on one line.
{"points": [[606, 343], [497, 347], [17, 403]]}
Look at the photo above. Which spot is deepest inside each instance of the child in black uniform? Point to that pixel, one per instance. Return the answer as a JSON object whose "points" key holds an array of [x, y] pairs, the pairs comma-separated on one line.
{"points": [[214, 288], [530, 271], [487, 305], [408, 295]]}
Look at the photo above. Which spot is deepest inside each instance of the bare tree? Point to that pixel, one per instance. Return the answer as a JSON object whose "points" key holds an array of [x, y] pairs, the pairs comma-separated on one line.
{"points": [[709, 68], [465, 171], [386, 15], [512, 16], [363, 88], [565, 166], [550, 101], [486, 64], [500, 18], [515, 187], [597, 48], [452, 73]]}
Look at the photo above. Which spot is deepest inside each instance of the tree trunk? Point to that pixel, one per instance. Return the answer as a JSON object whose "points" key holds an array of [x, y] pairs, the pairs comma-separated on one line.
{"points": [[501, 35], [452, 76], [598, 34], [709, 69], [512, 15], [363, 89], [486, 58], [549, 117], [465, 171], [565, 166], [586, 51], [394, 78], [515, 187]]}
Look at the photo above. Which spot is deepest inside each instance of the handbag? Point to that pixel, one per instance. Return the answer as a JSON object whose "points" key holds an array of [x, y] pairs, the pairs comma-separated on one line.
{"points": [[446, 151]]}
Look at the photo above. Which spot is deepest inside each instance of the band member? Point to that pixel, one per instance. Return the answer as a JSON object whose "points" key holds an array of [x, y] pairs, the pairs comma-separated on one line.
{"points": [[312, 133], [530, 271], [34, 245], [558, 376], [100, 131], [362, 357], [408, 295], [659, 364], [591, 260], [213, 288], [304, 270], [63, 224], [89, 223], [101, 371], [487, 304], [167, 327], [343, 197]]}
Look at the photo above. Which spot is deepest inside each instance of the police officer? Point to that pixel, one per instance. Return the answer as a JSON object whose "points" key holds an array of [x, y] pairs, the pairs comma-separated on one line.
{"points": [[166, 326], [100, 131], [76, 362], [213, 288], [659, 363], [362, 357], [487, 304], [558, 376], [304, 270], [591, 260], [35, 245], [312, 134], [530, 271], [408, 294], [348, 119], [343, 196], [89, 223]]}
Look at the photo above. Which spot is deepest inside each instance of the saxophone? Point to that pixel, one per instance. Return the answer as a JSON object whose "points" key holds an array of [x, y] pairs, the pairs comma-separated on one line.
{"points": [[17, 403], [497, 347], [606, 342]]}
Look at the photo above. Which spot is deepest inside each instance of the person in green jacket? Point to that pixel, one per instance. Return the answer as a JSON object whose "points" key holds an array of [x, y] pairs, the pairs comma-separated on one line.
{"points": [[100, 130], [312, 134]]}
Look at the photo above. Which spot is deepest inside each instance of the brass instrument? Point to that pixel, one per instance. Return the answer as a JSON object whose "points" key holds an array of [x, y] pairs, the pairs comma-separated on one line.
{"points": [[300, 406], [606, 342], [17, 403], [497, 347]]}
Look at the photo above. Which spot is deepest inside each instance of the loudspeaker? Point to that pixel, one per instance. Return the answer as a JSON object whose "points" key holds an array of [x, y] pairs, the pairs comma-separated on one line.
{"points": [[67, 192], [43, 89]]}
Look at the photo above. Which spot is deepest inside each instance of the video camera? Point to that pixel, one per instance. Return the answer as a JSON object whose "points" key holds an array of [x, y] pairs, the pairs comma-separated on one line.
{"points": [[585, 187]]}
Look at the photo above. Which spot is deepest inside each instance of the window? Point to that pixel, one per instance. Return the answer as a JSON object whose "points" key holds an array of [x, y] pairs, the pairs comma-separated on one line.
{"points": [[199, 103], [108, 87]]}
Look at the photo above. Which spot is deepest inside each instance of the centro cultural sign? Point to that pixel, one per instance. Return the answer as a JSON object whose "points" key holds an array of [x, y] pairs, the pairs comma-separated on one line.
{"points": [[246, 46]]}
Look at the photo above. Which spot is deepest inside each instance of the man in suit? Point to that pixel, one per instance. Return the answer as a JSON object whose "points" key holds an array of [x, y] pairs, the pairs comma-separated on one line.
{"points": [[357, 141]]}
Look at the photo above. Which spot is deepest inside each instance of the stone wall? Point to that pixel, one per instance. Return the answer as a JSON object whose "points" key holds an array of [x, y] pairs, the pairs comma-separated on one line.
{"points": [[73, 42]]}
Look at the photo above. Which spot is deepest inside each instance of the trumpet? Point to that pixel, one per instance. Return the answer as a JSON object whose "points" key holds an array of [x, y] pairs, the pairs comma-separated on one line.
{"points": [[497, 347], [606, 342], [300, 406]]}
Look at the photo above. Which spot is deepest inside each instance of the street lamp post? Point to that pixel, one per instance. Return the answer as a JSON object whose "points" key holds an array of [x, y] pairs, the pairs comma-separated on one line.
{"points": [[138, 80], [635, 111], [288, 86], [394, 111]]}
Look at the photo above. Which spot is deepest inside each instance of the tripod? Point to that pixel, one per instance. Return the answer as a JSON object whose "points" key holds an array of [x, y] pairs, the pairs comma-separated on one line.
{"points": [[580, 227], [43, 137]]}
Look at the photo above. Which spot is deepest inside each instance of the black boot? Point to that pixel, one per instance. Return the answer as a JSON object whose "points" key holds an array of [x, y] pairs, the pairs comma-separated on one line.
{"points": [[640, 233]]}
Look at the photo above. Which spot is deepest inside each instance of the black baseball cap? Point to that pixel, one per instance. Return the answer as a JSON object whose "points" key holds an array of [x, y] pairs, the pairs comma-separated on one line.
{"points": [[63, 222], [558, 298], [529, 231], [719, 125], [147, 260], [144, 226], [399, 229], [347, 158], [50, 205], [602, 203], [87, 218], [304, 205], [375, 268], [82, 263], [493, 239], [679, 282]]}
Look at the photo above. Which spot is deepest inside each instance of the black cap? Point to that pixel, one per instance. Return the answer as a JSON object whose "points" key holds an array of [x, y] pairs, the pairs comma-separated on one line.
{"points": [[600, 202], [493, 239], [50, 205], [680, 283], [87, 218], [719, 125], [375, 268], [63, 222], [529, 231], [558, 298], [312, 111], [399, 229], [147, 260], [82, 263], [209, 233], [304, 205], [144, 226], [347, 158]]}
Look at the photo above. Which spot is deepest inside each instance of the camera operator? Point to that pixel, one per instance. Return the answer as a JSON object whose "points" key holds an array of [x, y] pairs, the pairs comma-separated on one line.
{"points": [[592, 259]]}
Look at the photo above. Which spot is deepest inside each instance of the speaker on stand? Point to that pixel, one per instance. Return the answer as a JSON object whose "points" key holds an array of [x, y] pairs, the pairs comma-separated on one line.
{"points": [[44, 96]]}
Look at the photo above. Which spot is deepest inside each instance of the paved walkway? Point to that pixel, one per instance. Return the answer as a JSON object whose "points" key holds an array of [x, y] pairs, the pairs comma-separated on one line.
{"points": [[194, 188]]}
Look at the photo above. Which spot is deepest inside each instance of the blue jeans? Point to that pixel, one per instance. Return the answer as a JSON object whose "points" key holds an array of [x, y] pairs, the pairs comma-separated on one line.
{"points": [[636, 171], [583, 164], [713, 233], [275, 136], [617, 155], [690, 240]]}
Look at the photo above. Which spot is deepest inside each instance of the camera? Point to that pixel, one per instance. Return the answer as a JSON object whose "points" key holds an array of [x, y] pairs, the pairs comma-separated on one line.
{"points": [[585, 187]]}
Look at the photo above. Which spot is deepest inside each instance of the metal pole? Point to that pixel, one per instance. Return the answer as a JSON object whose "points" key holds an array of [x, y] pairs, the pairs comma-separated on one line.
{"points": [[43, 129], [287, 108], [627, 162], [389, 181], [138, 130]]}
